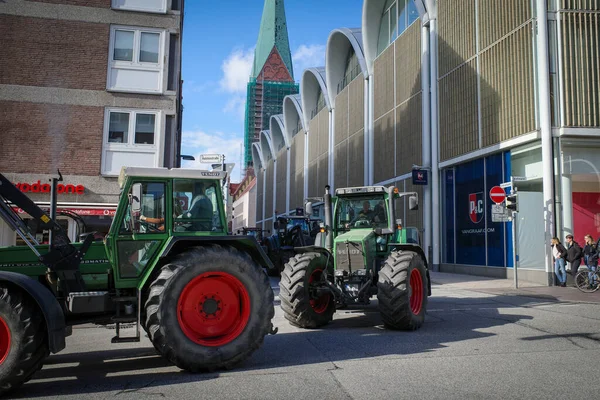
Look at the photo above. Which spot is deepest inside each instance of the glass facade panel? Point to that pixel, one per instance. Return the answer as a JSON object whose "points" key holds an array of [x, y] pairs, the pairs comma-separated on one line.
{"points": [[495, 230], [403, 15], [448, 239], [394, 22], [470, 213]]}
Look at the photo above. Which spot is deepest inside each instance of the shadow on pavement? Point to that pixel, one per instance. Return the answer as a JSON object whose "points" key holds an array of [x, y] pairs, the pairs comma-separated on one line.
{"points": [[354, 334]]}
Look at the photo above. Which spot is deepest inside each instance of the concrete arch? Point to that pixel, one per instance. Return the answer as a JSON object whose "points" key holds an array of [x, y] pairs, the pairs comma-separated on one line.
{"points": [[371, 22], [292, 113], [339, 42], [257, 156], [278, 133], [266, 144], [313, 79]]}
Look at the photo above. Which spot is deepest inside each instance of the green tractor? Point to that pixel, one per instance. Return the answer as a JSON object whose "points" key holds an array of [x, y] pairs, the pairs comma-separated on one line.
{"points": [[362, 251], [167, 265]]}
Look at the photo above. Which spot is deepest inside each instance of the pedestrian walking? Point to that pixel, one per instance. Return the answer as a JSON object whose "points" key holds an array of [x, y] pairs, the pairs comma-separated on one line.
{"points": [[574, 254], [590, 255], [560, 253]]}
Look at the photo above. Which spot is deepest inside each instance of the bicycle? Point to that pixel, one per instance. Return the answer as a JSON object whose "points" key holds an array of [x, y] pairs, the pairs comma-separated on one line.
{"points": [[582, 280]]}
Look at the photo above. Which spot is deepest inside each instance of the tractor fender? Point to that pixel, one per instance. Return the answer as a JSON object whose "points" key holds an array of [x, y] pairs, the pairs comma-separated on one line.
{"points": [[53, 313], [246, 244], [415, 248]]}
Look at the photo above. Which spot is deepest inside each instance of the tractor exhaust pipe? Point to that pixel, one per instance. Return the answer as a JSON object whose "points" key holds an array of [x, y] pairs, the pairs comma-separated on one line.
{"points": [[328, 219], [53, 200]]}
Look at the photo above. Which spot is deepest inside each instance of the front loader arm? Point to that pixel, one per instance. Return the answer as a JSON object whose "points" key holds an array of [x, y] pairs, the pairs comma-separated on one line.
{"points": [[62, 258]]}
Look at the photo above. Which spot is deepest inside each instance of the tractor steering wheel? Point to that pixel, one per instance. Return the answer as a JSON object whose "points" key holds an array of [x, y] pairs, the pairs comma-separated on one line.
{"points": [[148, 226]]}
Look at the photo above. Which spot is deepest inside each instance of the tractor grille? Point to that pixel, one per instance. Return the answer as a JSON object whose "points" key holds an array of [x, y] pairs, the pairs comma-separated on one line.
{"points": [[357, 259]]}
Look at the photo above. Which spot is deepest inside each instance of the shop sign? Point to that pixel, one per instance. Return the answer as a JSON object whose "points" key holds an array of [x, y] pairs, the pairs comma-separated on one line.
{"points": [[39, 187], [419, 177], [83, 212], [476, 207]]}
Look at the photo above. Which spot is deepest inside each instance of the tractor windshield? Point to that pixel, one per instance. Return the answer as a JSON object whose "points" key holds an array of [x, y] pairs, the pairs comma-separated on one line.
{"points": [[361, 212]]}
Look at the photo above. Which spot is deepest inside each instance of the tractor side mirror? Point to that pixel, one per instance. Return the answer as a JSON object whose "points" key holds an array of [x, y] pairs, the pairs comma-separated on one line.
{"points": [[136, 195], [276, 225], [308, 208], [413, 203]]}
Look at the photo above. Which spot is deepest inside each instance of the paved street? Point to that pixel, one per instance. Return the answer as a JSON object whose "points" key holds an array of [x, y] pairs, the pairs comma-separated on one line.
{"points": [[481, 340]]}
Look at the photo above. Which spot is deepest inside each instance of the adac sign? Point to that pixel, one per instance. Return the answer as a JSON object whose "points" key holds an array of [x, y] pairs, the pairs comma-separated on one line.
{"points": [[39, 187], [476, 207]]}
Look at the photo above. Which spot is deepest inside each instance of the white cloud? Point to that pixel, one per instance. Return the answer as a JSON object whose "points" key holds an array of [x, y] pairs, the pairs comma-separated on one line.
{"points": [[236, 104], [236, 70], [307, 56], [199, 142]]}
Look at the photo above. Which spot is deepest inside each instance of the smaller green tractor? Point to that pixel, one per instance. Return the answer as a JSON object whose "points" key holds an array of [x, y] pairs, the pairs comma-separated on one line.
{"points": [[361, 251]]}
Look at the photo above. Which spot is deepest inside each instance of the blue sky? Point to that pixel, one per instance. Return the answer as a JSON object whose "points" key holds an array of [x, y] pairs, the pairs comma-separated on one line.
{"points": [[218, 48]]}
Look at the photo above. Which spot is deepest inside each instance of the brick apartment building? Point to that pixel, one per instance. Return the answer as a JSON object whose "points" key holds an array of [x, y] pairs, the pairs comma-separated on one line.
{"points": [[86, 87]]}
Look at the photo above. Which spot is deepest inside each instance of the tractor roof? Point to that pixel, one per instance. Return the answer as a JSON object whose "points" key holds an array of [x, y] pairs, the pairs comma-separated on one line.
{"points": [[361, 190], [184, 173]]}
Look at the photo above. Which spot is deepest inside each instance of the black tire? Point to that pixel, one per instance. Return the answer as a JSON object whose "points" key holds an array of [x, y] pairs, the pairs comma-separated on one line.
{"points": [[295, 296], [165, 330], [394, 291], [28, 346]]}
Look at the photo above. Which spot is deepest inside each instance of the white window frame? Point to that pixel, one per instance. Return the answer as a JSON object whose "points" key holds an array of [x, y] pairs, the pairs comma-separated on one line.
{"points": [[162, 10], [135, 64], [131, 147]]}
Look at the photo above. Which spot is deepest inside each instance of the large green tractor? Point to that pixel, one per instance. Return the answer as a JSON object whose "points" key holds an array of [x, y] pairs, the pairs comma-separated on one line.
{"points": [[167, 266], [362, 251]]}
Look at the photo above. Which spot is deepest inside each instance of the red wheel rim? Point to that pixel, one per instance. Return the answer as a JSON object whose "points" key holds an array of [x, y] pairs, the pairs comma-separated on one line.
{"points": [[4, 340], [213, 309], [319, 305], [416, 294]]}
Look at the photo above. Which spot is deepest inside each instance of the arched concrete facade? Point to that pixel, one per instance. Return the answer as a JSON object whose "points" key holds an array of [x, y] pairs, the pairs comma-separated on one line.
{"points": [[266, 144], [257, 156], [292, 113], [313, 79], [278, 133], [339, 42], [371, 23]]}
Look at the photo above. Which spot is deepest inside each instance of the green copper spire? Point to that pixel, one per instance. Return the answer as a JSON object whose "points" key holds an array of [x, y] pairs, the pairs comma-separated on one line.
{"points": [[273, 33]]}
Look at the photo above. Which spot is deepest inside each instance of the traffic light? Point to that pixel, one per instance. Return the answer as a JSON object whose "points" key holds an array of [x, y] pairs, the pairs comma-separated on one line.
{"points": [[512, 203]]}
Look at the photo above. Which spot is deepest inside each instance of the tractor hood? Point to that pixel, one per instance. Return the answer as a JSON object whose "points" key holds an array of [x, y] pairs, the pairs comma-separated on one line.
{"points": [[354, 249]]}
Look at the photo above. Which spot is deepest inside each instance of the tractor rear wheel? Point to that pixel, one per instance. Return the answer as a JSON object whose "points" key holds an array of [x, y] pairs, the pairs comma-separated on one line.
{"points": [[209, 309], [402, 291], [23, 344], [301, 306]]}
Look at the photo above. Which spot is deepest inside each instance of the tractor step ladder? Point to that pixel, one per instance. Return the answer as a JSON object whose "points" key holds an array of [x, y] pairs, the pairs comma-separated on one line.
{"points": [[120, 319]]}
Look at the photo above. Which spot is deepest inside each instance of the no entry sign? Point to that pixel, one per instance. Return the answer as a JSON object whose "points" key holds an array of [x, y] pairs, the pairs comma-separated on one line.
{"points": [[497, 194]]}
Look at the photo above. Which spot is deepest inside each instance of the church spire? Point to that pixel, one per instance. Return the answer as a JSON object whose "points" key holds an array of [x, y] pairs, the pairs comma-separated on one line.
{"points": [[273, 43]]}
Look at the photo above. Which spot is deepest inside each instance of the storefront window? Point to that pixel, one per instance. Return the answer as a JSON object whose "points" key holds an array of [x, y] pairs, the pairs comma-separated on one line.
{"points": [[526, 166], [580, 188]]}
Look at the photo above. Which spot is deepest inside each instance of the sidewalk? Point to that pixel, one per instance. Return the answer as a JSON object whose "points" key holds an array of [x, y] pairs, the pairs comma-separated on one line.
{"points": [[505, 287]]}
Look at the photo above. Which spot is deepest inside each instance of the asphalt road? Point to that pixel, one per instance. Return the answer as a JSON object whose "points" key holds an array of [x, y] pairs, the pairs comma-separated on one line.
{"points": [[474, 345]]}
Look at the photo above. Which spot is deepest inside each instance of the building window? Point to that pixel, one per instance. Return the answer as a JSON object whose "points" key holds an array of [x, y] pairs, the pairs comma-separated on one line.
{"points": [[153, 6], [136, 60], [132, 138], [397, 16]]}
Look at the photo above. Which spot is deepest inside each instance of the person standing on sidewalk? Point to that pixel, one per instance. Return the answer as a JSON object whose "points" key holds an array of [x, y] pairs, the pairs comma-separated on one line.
{"points": [[574, 254], [590, 255], [559, 252]]}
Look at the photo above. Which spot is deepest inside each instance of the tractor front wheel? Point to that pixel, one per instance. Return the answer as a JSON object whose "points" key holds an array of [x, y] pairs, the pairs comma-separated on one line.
{"points": [[209, 309], [23, 344], [402, 291], [302, 305]]}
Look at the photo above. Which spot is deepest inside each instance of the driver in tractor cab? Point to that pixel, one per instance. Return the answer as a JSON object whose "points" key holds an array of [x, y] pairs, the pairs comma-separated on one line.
{"points": [[365, 213]]}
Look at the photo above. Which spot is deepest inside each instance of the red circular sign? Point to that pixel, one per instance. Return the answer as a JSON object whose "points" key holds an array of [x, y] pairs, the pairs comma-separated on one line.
{"points": [[497, 194]]}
